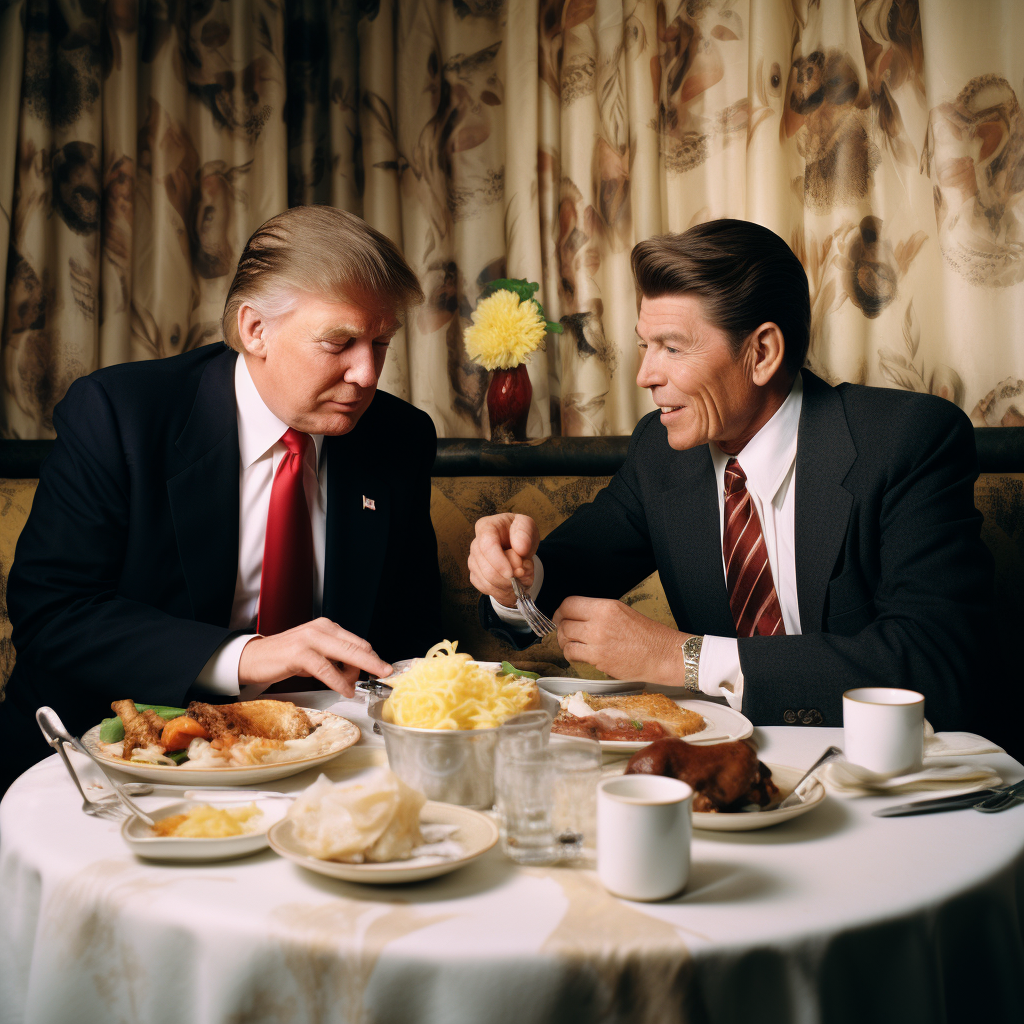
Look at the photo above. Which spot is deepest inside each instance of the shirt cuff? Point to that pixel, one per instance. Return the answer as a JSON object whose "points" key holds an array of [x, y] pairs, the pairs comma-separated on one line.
{"points": [[512, 616], [220, 674], [719, 673]]}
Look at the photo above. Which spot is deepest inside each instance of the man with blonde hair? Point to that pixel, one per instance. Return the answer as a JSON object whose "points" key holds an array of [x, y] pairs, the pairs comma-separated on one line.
{"points": [[221, 522]]}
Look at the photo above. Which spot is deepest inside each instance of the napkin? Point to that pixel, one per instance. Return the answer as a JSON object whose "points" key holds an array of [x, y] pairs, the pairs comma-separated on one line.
{"points": [[940, 770]]}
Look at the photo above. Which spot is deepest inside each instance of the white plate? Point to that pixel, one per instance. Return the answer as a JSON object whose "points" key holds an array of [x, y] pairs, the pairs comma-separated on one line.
{"points": [[476, 832], [745, 821], [139, 836], [563, 685], [247, 775], [721, 724]]}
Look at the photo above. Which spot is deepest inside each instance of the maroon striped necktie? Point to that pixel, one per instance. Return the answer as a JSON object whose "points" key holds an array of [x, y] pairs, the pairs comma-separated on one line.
{"points": [[752, 597], [286, 583]]}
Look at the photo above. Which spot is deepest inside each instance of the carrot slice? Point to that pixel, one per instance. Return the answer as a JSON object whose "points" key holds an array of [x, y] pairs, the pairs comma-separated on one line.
{"points": [[179, 732]]}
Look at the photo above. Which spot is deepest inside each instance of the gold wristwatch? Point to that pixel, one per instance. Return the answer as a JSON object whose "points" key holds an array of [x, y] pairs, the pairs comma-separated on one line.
{"points": [[691, 661]]}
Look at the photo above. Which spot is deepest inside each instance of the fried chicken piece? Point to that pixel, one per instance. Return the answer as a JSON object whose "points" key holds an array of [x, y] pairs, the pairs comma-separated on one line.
{"points": [[141, 729], [652, 707], [266, 719], [724, 776]]}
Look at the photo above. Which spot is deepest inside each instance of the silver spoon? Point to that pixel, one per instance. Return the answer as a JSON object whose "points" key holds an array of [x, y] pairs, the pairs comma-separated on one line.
{"points": [[793, 799]]}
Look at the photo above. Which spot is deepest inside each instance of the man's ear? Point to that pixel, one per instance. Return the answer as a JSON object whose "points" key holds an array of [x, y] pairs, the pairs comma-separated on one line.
{"points": [[252, 331], [767, 352]]}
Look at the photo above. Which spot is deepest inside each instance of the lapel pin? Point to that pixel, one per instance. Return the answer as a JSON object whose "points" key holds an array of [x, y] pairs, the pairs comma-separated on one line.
{"points": [[368, 503]]}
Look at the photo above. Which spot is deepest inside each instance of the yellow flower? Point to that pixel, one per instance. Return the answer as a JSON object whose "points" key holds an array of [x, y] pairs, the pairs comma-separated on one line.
{"points": [[504, 331]]}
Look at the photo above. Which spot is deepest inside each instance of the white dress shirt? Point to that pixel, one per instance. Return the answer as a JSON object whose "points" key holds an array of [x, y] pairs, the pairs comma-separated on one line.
{"points": [[769, 462], [260, 452]]}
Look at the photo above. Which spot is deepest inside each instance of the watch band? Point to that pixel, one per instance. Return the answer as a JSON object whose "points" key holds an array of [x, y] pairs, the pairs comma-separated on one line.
{"points": [[691, 661]]}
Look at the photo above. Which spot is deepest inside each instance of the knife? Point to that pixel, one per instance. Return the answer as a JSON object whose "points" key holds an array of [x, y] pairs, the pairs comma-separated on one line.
{"points": [[943, 803]]}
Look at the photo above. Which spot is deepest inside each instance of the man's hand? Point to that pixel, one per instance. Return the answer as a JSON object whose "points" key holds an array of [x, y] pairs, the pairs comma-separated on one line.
{"points": [[321, 649], [503, 547], [619, 641]]}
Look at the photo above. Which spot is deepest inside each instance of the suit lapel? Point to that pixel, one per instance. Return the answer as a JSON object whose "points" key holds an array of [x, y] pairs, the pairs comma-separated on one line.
{"points": [[204, 495], [694, 539], [357, 531], [825, 453]]}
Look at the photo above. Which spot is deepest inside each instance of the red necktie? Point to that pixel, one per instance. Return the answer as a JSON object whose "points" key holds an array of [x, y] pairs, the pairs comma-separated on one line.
{"points": [[752, 597], [286, 585]]}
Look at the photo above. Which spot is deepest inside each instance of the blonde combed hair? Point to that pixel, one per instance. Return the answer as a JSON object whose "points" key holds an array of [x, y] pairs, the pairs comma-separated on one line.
{"points": [[320, 250]]}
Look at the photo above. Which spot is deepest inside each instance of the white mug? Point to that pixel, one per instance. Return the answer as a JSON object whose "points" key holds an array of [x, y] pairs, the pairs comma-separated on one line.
{"points": [[883, 729], [644, 826]]}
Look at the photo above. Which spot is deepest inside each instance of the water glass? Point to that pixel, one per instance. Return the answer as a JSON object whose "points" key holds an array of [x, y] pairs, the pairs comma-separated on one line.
{"points": [[522, 734], [548, 799]]}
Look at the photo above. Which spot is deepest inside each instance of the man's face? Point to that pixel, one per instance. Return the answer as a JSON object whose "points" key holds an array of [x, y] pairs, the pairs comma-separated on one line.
{"points": [[705, 393], [317, 367]]}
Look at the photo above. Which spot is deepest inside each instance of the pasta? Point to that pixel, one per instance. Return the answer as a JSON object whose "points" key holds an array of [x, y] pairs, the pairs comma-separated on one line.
{"points": [[448, 690]]}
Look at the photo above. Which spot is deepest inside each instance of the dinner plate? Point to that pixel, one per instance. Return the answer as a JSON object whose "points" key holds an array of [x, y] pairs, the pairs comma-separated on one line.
{"points": [[246, 775], [564, 685], [721, 724], [476, 832], [140, 837], [745, 821]]}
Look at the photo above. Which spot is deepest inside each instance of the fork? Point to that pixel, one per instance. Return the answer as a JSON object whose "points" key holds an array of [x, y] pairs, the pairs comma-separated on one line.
{"points": [[52, 726], [105, 808], [1002, 798], [535, 618]]}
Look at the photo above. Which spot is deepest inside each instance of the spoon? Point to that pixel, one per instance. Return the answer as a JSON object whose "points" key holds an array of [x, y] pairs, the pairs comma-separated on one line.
{"points": [[793, 799]]}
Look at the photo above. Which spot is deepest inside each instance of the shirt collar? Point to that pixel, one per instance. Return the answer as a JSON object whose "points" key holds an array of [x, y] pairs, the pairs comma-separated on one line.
{"points": [[768, 456], [258, 428]]}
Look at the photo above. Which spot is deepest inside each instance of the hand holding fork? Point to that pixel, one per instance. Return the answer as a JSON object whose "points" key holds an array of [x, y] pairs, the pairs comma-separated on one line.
{"points": [[501, 565]]}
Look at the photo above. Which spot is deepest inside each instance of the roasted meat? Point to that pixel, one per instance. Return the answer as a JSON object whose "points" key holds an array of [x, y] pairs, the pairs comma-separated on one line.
{"points": [[141, 728], [595, 728], [642, 717], [724, 776], [266, 719]]}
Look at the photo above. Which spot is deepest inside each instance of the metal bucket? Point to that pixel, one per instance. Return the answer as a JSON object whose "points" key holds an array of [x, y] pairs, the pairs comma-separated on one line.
{"points": [[449, 765]]}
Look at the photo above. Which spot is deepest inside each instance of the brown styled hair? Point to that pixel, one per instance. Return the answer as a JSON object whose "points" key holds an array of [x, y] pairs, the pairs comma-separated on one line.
{"points": [[317, 249], [744, 274]]}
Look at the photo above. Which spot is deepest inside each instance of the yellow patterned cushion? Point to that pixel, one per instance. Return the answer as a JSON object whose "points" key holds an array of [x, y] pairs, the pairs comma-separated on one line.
{"points": [[15, 501]]}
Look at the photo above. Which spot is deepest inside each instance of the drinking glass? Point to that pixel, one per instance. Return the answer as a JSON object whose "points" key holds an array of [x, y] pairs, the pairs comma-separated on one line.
{"points": [[526, 733], [548, 800]]}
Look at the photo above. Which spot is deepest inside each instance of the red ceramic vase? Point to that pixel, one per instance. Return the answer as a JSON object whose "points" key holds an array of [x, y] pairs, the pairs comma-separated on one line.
{"points": [[508, 404]]}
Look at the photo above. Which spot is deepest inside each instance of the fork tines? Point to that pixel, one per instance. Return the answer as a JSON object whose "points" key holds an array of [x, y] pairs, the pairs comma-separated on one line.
{"points": [[535, 618]]}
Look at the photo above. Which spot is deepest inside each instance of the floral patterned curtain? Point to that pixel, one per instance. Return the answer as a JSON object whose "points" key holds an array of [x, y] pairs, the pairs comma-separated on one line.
{"points": [[140, 144]]}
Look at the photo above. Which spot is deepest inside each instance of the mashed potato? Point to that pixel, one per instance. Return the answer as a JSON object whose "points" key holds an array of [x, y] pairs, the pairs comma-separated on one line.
{"points": [[447, 690], [207, 822]]}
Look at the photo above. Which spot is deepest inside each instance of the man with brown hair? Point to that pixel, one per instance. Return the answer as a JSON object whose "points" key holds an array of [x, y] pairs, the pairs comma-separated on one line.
{"points": [[809, 539], [232, 518]]}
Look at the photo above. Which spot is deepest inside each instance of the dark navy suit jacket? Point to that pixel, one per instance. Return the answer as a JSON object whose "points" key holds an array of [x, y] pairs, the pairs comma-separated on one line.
{"points": [[124, 575], [893, 581]]}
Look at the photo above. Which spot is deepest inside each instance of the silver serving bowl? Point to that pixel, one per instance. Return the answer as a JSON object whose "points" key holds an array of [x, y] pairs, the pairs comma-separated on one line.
{"points": [[453, 766]]}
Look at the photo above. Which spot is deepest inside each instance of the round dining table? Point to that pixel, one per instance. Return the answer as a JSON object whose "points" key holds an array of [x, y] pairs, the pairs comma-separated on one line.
{"points": [[834, 916]]}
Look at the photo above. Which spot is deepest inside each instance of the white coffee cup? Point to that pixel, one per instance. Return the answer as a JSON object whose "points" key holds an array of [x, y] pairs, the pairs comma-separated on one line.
{"points": [[883, 729], [644, 827]]}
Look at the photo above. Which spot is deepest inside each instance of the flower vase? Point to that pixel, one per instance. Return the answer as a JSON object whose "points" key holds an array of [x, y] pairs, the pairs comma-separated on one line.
{"points": [[508, 404]]}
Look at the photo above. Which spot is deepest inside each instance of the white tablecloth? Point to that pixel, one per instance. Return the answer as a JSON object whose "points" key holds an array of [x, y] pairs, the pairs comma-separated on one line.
{"points": [[835, 916]]}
